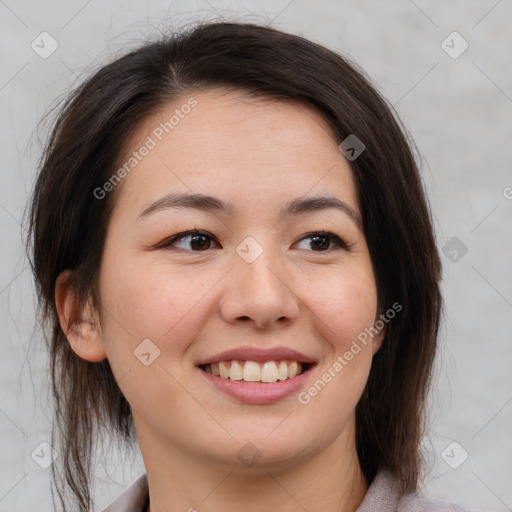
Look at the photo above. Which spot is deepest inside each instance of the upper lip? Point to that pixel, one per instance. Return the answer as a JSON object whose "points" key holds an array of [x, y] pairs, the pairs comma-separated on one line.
{"points": [[257, 354]]}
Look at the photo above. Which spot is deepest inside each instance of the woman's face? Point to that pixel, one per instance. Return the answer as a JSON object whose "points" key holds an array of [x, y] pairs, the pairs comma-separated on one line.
{"points": [[256, 280]]}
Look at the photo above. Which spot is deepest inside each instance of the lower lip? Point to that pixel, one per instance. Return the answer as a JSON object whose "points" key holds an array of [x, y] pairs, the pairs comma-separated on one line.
{"points": [[258, 392]]}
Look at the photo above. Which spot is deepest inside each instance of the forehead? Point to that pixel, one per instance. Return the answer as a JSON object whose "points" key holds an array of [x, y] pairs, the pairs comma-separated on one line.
{"points": [[244, 149]]}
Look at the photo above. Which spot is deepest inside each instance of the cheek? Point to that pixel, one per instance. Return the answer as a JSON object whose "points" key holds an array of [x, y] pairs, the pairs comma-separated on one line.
{"points": [[344, 307], [142, 303], [145, 302], [346, 304]]}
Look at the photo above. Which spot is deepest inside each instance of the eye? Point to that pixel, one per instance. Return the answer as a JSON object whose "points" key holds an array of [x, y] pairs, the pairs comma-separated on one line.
{"points": [[322, 240], [196, 241], [199, 240]]}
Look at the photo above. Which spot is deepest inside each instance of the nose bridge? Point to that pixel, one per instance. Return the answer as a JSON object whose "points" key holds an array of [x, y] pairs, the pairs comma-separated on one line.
{"points": [[259, 287], [259, 266]]}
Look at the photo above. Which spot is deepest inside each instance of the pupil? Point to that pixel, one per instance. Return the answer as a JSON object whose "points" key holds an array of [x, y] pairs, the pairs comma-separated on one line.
{"points": [[195, 238], [324, 238]]}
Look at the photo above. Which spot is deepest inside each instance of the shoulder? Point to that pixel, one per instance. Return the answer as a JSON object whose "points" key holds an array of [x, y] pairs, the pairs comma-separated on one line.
{"points": [[384, 496], [416, 503], [133, 499]]}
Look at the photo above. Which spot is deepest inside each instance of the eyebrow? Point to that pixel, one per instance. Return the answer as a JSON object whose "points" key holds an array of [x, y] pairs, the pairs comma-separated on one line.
{"points": [[206, 203]]}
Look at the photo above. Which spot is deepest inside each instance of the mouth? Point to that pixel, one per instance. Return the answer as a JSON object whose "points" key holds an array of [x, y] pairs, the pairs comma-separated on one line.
{"points": [[257, 375], [257, 383], [257, 371]]}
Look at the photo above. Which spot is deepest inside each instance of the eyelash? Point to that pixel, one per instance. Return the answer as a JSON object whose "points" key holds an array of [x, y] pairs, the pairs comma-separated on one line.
{"points": [[194, 232]]}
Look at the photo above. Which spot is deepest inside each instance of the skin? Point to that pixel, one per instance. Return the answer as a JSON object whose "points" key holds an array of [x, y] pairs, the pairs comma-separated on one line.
{"points": [[192, 303]]}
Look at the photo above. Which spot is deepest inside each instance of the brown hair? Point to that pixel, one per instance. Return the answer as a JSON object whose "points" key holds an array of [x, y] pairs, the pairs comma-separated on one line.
{"points": [[68, 224]]}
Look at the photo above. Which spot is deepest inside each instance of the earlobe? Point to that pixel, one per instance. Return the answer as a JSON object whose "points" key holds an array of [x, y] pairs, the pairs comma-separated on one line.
{"points": [[378, 340], [377, 343], [79, 324]]}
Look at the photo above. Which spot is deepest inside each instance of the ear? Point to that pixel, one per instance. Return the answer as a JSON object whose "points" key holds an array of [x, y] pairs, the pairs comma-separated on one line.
{"points": [[378, 339], [80, 325]]}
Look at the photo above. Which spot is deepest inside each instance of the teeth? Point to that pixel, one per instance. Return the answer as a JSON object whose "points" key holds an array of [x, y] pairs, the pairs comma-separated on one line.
{"points": [[269, 372], [223, 369], [283, 371], [292, 370], [235, 372], [251, 371]]}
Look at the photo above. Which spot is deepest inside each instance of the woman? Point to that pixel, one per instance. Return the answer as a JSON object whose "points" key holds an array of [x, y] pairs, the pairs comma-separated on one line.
{"points": [[235, 255]]}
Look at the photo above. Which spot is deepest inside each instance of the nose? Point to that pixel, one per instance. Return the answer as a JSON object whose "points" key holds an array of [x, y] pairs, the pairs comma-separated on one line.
{"points": [[259, 293]]}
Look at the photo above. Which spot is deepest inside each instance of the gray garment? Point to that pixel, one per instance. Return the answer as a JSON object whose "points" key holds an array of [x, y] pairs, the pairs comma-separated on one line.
{"points": [[134, 499], [383, 496]]}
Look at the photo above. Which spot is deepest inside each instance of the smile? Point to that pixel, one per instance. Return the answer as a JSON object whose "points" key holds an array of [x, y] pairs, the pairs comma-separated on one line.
{"points": [[252, 371]]}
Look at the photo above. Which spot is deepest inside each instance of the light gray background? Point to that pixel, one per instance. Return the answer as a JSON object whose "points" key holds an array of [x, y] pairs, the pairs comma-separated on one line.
{"points": [[459, 112]]}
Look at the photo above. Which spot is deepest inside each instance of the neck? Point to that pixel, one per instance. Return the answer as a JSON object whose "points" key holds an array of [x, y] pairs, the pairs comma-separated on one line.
{"points": [[329, 481]]}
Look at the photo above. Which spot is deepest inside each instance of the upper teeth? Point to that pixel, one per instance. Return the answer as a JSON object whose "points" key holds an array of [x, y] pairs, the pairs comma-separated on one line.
{"points": [[251, 371]]}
